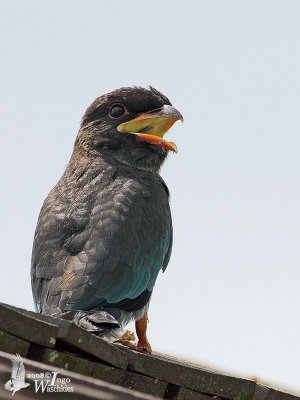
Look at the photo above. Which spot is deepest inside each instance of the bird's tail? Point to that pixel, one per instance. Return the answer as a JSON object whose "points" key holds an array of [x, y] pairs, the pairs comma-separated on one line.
{"points": [[99, 322]]}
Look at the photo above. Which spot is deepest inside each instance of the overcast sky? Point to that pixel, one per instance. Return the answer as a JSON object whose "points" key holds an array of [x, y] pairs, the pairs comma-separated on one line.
{"points": [[230, 295]]}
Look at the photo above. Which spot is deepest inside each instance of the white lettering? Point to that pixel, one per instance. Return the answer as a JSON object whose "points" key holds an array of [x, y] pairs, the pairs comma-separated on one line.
{"points": [[41, 384], [55, 373]]}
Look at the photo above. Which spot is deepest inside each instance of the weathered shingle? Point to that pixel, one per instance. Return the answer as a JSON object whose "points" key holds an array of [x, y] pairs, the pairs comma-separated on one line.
{"points": [[101, 370]]}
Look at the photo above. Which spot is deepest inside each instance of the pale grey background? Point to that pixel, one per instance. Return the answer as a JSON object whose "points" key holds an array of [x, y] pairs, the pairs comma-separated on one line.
{"points": [[230, 296]]}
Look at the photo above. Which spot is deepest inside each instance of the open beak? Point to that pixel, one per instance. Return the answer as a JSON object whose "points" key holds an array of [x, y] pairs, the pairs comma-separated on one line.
{"points": [[152, 125]]}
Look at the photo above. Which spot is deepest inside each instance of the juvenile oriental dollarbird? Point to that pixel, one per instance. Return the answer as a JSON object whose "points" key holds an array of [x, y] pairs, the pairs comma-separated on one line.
{"points": [[105, 230]]}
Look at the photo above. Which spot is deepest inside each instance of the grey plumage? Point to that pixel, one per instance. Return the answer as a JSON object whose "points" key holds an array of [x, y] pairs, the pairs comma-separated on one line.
{"points": [[105, 230]]}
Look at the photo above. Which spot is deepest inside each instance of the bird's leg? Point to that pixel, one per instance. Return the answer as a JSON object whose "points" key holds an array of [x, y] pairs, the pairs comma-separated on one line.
{"points": [[143, 346], [141, 328]]}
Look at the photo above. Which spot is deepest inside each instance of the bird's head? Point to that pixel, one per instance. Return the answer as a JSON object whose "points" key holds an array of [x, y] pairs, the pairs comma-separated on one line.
{"points": [[128, 124]]}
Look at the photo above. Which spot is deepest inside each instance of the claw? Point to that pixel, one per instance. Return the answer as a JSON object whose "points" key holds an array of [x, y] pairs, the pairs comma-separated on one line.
{"points": [[139, 349]]}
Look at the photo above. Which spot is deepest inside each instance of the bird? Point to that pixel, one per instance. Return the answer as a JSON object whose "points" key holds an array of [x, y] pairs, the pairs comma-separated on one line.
{"points": [[17, 380], [105, 230]]}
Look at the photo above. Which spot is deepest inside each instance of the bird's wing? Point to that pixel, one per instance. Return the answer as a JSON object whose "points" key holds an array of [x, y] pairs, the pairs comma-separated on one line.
{"points": [[170, 245], [18, 369], [168, 254], [109, 247]]}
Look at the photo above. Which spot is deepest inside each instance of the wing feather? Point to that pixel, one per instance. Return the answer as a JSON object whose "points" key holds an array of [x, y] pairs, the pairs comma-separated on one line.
{"points": [[18, 369]]}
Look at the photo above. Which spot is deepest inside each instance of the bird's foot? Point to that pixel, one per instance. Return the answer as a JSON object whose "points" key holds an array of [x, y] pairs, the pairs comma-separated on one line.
{"points": [[140, 347], [128, 335]]}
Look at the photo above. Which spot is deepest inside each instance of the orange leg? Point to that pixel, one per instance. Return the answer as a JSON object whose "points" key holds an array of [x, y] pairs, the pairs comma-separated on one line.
{"points": [[141, 328], [143, 345]]}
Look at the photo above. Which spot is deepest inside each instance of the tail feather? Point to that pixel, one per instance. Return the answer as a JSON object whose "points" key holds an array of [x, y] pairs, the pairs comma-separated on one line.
{"points": [[99, 322]]}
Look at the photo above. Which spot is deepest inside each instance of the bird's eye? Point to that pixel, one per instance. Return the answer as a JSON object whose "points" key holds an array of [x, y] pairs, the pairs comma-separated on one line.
{"points": [[117, 111]]}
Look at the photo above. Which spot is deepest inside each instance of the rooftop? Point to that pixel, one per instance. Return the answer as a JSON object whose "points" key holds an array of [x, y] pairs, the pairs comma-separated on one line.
{"points": [[90, 368]]}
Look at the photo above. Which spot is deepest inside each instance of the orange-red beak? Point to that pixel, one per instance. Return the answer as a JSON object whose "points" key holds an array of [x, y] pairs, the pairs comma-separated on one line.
{"points": [[151, 126]]}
